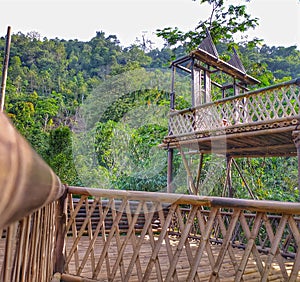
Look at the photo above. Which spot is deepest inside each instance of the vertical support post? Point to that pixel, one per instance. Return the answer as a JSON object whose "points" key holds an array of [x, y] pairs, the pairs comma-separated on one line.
{"points": [[198, 96], [235, 88], [207, 87], [229, 180], [172, 95], [59, 265], [170, 170], [193, 87], [296, 136], [4, 70], [171, 150], [199, 173], [7, 268]]}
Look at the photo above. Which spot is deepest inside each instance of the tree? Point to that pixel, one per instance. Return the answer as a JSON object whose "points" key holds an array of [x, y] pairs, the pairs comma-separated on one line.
{"points": [[224, 23], [60, 155]]}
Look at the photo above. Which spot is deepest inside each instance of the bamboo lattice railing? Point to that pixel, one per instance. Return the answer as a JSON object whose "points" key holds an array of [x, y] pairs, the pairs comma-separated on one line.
{"points": [[278, 103], [115, 251], [29, 211], [287, 248]]}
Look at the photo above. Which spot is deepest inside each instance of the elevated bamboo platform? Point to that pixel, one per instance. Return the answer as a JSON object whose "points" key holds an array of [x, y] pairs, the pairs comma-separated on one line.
{"points": [[255, 124], [224, 116]]}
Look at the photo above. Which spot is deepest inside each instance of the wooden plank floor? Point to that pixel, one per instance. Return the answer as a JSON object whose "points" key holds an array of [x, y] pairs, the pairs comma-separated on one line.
{"points": [[182, 268]]}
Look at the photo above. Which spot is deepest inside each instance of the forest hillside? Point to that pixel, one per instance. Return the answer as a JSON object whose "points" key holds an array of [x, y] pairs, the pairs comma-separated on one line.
{"points": [[75, 102]]}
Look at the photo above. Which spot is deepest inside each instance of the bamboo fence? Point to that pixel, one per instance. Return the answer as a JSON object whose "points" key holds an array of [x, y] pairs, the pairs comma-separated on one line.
{"points": [[109, 243]]}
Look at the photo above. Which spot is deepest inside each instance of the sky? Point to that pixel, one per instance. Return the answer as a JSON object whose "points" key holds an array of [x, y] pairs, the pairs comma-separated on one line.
{"points": [[279, 20]]}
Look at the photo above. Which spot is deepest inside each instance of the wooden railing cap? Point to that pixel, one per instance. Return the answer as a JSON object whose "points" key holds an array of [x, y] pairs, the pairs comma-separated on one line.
{"points": [[27, 182]]}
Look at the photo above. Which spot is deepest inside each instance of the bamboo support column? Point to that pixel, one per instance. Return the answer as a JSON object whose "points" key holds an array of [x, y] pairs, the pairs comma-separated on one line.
{"points": [[296, 136], [199, 171], [171, 150], [228, 178], [170, 170], [60, 234]]}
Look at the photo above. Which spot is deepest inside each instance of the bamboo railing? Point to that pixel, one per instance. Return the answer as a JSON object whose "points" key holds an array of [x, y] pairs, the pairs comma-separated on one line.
{"points": [[99, 251], [288, 247], [274, 104], [29, 211]]}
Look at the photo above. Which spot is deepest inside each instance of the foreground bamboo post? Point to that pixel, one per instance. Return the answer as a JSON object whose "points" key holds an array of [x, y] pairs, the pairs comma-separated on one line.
{"points": [[60, 234]]}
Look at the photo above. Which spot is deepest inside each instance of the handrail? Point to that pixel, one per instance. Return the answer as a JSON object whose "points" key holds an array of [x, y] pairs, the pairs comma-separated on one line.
{"points": [[27, 182], [251, 205], [274, 104], [31, 217], [295, 81]]}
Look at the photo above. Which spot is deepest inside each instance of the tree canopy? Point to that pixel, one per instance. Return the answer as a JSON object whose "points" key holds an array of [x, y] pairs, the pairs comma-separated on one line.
{"points": [[225, 22]]}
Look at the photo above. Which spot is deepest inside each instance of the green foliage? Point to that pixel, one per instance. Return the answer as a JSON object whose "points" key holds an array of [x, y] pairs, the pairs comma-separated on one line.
{"points": [[224, 22], [269, 178], [60, 155], [126, 140], [103, 139], [52, 82]]}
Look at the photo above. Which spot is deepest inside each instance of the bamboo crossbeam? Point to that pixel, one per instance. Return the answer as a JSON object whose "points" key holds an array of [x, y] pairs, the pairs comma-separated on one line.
{"points": [[251, 205], [27, 182]]}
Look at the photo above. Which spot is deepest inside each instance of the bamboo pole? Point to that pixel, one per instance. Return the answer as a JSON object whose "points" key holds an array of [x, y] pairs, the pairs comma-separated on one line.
{"points": [[4, 70], [252, 205], [296, 136], [191, 184], [27, 182], [171, 150], [59, 265], [200, 166]]}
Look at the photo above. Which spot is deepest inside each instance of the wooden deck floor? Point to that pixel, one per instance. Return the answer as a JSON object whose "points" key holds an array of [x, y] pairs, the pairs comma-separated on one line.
{"points": [[182, 268]]}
